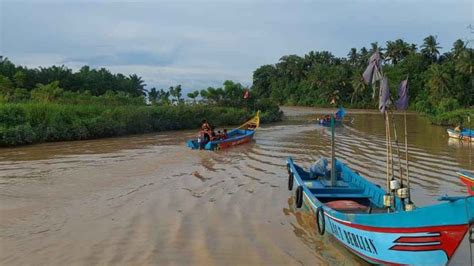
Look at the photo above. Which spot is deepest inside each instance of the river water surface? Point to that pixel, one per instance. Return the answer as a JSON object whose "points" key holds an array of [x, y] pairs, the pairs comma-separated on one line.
{"points": [[147, 199]]}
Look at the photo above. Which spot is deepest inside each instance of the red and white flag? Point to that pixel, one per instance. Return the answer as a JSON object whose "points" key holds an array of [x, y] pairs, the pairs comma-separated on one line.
{"points": [[246, 94]]}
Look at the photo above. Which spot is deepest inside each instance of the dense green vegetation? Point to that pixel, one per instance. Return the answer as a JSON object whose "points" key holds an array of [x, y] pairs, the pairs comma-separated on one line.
{"points": [[25, 123], [64, 105], [438, 83]]}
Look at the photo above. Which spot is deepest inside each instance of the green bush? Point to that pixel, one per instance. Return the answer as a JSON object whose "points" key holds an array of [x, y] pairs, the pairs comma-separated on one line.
{"points": [[447, 105], [25, 123], [453, 118]]}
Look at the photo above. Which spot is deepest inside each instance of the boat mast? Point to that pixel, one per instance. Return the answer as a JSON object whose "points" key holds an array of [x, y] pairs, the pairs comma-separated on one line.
{"points": [[333, 153], [409, 205]]}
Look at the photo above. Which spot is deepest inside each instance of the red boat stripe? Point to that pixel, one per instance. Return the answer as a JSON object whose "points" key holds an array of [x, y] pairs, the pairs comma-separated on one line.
{"points": [[418, 239], [417, 247]]}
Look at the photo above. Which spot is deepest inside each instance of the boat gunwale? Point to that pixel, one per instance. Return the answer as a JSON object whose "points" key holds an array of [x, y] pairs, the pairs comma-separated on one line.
{"points": [[369, 219]]}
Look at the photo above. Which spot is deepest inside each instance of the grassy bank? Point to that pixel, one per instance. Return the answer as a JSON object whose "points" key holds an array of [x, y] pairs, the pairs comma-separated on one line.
{"points": [[453, 118], [27, 123]]}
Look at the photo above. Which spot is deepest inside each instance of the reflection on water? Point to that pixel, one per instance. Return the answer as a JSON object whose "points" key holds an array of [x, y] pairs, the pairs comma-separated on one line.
{"points": [[147, 199]]}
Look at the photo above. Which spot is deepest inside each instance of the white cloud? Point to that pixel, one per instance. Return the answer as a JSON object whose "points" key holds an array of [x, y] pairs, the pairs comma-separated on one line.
{"points": [[201, 43]]}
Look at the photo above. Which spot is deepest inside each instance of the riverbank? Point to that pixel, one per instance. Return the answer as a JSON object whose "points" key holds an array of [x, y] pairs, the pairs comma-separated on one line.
{"points": [[28, 123], [451, 118]]}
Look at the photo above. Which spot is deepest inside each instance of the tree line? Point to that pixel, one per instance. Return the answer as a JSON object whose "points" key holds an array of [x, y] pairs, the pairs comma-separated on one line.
{"points": [[59, 84], [19, 80], [437, 82]]}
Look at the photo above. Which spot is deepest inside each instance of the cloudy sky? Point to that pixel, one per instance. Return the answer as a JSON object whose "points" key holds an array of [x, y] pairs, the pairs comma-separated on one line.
{"points": [[202, 43]]}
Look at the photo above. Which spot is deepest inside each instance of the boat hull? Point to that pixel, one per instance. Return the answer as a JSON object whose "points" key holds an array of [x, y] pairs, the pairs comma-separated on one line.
{"points": [[326, 123], [425, 236], [432, 245], [468, 180], [236, 137], [465, 135]]}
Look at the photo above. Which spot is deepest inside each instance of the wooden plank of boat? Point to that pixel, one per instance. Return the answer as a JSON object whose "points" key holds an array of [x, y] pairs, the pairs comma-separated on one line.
{"points": [[468, 179], [464, 135], [237, 136], [355, 215]]}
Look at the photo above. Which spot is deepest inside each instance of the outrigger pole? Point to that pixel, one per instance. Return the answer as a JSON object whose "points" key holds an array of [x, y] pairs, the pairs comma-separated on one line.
{"points": [[333, 153]]}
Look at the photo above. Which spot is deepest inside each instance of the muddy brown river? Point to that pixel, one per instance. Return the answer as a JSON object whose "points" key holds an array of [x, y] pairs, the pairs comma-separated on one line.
{"points": [[148, 199]]}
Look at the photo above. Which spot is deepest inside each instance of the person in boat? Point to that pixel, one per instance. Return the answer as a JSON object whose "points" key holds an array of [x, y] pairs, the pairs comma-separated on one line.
{"points": [[213, 134], [219, 135], [205, 125], [224, 134], [205, 135], [458, 128]]}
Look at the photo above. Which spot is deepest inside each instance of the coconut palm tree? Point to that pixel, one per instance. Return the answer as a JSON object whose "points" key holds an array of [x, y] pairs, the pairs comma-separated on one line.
{"points": [[438, 81], [430, 48], [359, 86], [464, 63], [353, 56], [137, 85], [458, 47], [396, 51], [153, 95], [374, 47], [364, 56]]}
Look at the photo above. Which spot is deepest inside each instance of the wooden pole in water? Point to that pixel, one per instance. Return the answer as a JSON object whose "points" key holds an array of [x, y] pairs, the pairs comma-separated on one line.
{"points": [[333, 153]]}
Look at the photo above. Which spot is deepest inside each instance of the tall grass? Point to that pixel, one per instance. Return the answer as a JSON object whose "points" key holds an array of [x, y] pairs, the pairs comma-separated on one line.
{"points": [[26, 123], [453, 118]]}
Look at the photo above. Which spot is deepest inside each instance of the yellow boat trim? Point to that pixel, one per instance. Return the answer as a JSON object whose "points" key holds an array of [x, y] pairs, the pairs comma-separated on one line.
{"points": [[253, 123]]}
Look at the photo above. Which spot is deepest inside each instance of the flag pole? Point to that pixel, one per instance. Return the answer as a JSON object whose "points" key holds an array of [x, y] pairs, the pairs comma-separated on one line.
{"points": [[409, 206], [398, 150], [406, 155]]}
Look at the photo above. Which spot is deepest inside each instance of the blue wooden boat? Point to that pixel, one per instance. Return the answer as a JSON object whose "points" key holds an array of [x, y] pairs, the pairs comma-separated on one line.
{"points": [[466, 134], [237, 136], [352, 210], [380, 226], [339, 117]]}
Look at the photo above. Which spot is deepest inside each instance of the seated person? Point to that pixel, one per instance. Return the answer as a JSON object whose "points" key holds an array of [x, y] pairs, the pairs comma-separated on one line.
{"points": [[224, 134], [205, 125], [213, 134], [219, 135], [458, 128]]}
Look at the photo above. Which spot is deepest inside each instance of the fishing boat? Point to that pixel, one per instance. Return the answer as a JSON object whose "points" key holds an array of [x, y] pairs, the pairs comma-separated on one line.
{"points": [[352, 210], [237, 136], [464, 135], [382, 226], [468, 179], [339, 118]]}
